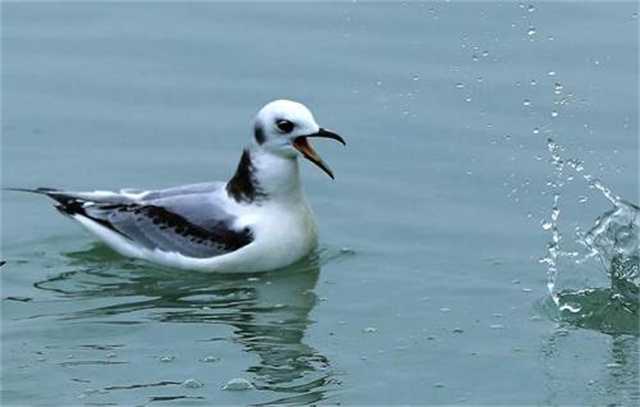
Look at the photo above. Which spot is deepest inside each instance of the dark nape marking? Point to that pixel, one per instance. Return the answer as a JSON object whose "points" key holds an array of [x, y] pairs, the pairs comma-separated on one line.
{"points": [[258, 133], [243, 186]]}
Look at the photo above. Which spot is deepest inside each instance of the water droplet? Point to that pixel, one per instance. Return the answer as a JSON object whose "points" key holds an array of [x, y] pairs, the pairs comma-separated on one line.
{"points": [[531, 32], [458, 330], [467, 99], [531, 8], [536, 130], [378, 83], [192, 384], [554, 114], [551, 73], [369, 330], [557, 88], [526, 102], [111, 355], [582, 199], [439, 385], [479, 79], [533, 82], [445, 309], [167, 359], [415, 77], [496, 326], [485, 53], [474, 57], [459, 85], [238, 384], [210, 359], [527, 290]]}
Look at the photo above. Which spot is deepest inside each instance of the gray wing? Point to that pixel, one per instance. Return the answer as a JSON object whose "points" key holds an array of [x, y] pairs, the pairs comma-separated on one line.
{"points": [[187, 220], [191, 189]]}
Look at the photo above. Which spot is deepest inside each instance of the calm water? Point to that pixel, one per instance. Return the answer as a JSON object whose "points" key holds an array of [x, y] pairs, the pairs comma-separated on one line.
{"points": [[428, 287]]}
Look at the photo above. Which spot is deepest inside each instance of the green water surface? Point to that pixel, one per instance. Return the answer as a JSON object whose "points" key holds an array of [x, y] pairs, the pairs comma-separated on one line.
{"points": [[427, 287]]}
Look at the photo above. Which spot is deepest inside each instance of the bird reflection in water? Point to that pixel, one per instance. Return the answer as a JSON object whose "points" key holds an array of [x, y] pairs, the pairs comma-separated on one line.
{"points": [[269, 312]]}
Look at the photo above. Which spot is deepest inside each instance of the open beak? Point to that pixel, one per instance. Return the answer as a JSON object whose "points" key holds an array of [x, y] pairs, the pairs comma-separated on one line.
{"points": [[302, 144]]}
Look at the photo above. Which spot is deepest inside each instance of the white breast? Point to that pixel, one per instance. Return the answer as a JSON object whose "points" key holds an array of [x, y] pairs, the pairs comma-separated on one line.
{"points": [[284, 233]]}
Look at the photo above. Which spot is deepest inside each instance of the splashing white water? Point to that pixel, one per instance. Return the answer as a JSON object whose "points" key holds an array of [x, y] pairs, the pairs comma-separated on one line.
{"points": [[615, 237], [553, 247]]}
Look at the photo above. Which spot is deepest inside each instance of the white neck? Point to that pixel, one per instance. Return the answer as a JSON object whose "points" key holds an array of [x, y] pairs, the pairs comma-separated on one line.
{"points": [[278, 177]]}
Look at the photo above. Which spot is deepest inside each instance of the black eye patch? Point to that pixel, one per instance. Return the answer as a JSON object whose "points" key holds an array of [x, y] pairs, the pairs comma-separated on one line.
{"points": [[285, 126]]}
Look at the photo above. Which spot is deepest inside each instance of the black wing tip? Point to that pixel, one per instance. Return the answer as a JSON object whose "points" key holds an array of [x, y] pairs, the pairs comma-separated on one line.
{"points": [[65, 204], [70, 208]]}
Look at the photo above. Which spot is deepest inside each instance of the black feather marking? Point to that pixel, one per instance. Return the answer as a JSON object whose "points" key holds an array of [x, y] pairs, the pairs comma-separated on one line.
{"points": [[220, 236], [172, 230], [243, 186], [70, 206], [258, 133]]}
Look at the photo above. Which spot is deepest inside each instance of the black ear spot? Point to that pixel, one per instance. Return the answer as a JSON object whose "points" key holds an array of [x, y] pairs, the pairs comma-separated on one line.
{"points": [[285, 126], [258, 133]]}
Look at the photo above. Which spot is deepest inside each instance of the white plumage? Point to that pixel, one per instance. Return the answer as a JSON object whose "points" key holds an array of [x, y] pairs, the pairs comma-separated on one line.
{"points": [[258, 220]]}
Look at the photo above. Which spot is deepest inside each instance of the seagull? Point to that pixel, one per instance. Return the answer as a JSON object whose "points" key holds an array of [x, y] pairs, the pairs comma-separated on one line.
{"points": [[259, 220]]}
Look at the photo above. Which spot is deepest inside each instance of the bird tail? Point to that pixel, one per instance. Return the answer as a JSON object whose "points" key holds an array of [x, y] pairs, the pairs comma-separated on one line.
{"points": [[42, 191], [66, 203]]}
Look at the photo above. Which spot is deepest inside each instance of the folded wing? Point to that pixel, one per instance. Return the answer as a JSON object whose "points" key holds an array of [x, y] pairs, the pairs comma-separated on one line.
{"points": [[186, 220]]}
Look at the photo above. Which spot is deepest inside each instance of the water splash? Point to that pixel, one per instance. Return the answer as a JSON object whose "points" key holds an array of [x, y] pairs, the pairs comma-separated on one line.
{"points": [[614, 239], [553, 247]]}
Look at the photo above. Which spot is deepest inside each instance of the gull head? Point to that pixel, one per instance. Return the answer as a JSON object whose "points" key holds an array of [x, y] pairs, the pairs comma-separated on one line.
{"points": [[283, 127]]}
